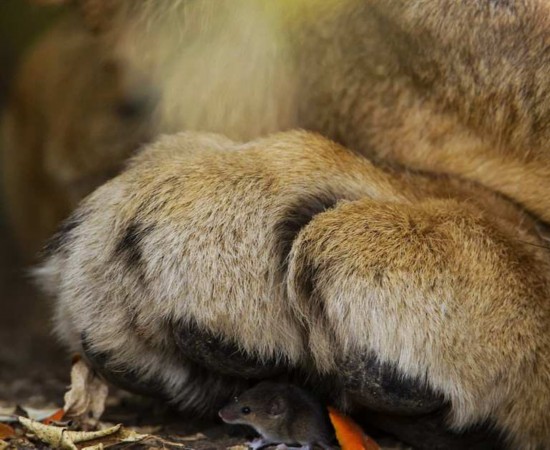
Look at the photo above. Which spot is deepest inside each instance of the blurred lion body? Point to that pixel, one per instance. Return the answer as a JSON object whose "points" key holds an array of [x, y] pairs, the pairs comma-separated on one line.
{"points": [[451, 97], [431, 86], [434, 86], [63, 130]]}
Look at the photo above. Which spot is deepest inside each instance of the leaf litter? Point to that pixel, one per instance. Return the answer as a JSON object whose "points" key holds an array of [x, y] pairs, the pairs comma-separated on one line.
{"points": [[69, 428]]}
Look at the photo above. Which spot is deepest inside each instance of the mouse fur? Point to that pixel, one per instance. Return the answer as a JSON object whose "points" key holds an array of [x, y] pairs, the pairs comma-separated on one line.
{"points": [[281, 413]]}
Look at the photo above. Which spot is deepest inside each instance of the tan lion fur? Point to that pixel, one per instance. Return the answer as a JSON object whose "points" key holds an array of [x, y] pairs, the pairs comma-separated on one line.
{"points": [[427, 274], [442, 86], [445, 277]]}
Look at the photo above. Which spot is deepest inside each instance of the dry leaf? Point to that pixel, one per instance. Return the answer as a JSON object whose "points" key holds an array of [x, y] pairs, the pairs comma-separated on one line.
{"points": [[82, 436], [7, 414], [6, 431], [238, 447], [87, 394], [146, 429], [98, 392], [55, 436], [60, 437], [3, 445], [11, 414], [127, 435], [192, 437], [164, 442]]}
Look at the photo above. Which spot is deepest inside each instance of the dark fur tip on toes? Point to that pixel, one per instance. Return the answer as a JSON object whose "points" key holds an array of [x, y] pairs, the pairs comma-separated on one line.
{"points": [[380, 387], [217, 355], [202, 394], [405, 407], [62, 238], [431, 431], [125, 379]]}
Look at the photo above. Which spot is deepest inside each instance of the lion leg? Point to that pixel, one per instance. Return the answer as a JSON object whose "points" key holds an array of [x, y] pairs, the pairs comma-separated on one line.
{"points": [[176, 267], [245, 261], [440, 291]]}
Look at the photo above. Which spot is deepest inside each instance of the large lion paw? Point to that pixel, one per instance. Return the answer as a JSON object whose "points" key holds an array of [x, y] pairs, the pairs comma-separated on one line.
{"points": [[208, 264]]}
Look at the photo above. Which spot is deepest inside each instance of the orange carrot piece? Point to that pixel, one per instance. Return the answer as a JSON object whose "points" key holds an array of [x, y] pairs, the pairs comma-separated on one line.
{"points": [[350, 435], [6, 431], [55, 417]]}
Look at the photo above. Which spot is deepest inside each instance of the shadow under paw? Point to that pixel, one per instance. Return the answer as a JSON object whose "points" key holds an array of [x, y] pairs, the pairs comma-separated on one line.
{"points": [[218, 355]]}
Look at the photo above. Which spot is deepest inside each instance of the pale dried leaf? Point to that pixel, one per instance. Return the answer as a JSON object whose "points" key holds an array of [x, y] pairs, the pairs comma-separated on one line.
{"points": [[59, 437], [7, 414], [193, 437], [66, 442], [98, 392], [77, 398], [165, 442], [3, 445], [146, 429], [238, 447], [94, 447], [82, 436], [127, 435], [85, 400], [55, 436]]}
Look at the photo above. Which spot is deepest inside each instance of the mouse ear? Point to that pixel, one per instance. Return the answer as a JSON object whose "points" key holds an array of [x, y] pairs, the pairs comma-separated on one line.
{"points": [[277, 406]]}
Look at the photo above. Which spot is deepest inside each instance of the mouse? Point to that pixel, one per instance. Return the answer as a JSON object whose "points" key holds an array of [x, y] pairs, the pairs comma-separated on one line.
{"points": [[283, 414]]}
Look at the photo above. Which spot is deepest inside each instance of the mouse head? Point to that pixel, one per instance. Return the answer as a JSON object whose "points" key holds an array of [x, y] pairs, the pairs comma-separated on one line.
{"points": [[265, 403]]}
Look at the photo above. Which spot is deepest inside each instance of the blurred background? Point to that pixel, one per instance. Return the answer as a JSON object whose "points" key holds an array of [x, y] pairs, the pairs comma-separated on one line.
{"points": [[20, 24], [31, 364], [72, 113]]}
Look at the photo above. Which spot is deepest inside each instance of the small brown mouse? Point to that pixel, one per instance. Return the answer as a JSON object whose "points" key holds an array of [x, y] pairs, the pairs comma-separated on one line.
{"points": [[281, 413]]}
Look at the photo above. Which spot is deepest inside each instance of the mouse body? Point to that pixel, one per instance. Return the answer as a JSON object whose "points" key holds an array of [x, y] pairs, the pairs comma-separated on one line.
{"points": [[281, 413]]}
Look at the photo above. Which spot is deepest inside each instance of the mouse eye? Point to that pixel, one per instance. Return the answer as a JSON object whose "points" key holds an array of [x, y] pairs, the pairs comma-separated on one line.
{"points": [[245, 410]]}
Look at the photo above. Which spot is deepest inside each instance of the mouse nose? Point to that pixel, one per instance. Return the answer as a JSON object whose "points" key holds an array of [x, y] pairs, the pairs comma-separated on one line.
{"points": [[226, 416]]}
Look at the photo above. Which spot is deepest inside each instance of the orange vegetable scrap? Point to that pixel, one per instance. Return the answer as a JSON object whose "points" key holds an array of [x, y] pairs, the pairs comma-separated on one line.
{"points": [[350, 435], [6, 431], [55, 417]]}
